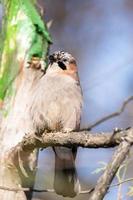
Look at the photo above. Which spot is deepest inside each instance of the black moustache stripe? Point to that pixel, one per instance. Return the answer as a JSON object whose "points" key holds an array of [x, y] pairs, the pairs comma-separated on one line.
{"points": [[62, 65]]}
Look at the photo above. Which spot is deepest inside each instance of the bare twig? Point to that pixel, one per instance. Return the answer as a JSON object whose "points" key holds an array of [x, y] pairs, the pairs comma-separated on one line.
{"points": [[114, 114], [110, 186], [53, 191], [105, 180], [120, 183], [25, 189], [39, 190]]}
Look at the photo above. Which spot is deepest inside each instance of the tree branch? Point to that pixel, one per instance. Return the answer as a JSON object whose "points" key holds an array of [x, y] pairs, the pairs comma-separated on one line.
{"points": [[53, 191], [80, 139], [86, 139], [105, 180], [39, 190], [112, 115]]}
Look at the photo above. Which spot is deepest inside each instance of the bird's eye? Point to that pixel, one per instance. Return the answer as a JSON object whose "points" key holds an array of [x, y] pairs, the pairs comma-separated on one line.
{"points": [[62, 65], [52, 59], [64, 60]]}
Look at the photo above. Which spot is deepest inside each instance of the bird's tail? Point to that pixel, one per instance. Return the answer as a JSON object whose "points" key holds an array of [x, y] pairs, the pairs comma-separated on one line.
{"points": [[66, 182]]}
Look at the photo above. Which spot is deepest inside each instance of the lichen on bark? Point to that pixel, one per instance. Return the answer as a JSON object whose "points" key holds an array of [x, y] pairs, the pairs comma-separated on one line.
{"points": [[25, 35]]}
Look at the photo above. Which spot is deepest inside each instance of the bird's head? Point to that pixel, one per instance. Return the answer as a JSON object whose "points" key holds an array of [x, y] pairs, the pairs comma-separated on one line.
{"points": [[63, 63]]}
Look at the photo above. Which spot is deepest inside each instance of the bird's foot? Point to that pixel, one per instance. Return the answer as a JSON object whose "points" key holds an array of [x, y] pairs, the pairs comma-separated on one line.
{"points": [[67, 130]]}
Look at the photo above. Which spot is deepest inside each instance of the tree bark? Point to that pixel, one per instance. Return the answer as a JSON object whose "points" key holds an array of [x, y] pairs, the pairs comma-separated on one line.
{"points": [[24, 36], [83, 139], [105, 180]]}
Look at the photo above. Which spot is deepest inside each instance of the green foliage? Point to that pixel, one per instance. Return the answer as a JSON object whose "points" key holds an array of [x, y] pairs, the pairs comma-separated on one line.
{"points": [[100, 169], [121, 172], [39, 33], [130, 192], [24, 35]]}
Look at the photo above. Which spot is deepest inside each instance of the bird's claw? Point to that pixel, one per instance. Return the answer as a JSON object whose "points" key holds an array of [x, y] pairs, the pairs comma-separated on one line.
{"points": [[67, 130]]}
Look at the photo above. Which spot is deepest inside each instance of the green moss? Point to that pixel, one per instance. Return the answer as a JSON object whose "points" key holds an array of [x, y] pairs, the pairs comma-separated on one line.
{"points": [[21, 22]]}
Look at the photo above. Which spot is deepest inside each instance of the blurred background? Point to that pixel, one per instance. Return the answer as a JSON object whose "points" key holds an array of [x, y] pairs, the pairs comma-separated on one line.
{"points": [[99, 34]]}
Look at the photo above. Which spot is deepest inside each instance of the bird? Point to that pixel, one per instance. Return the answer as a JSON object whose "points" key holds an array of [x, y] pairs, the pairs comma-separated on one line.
{"points": [[56, 105]]}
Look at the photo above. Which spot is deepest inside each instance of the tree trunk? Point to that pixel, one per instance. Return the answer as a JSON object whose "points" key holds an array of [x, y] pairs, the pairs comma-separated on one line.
{"points": [[24, 36]]}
